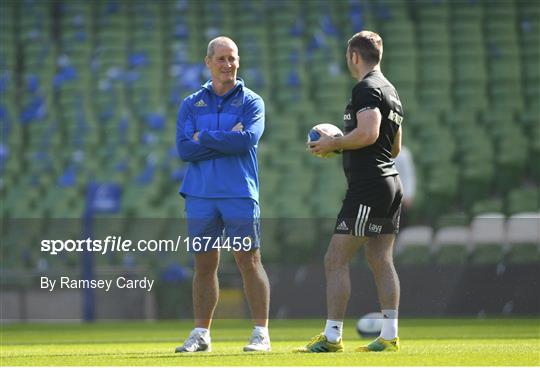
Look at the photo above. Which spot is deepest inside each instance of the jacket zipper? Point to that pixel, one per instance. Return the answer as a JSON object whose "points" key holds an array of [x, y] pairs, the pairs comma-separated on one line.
{"points": [[218, 113], [220, 104]]}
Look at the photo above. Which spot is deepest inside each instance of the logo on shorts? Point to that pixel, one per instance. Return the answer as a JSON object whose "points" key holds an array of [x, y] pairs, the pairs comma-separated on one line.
{"points": [[342, 226], [375, 228]]}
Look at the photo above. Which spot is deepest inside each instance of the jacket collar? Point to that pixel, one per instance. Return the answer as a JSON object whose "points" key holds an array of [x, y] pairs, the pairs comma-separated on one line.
{"points": [[239, 84]]}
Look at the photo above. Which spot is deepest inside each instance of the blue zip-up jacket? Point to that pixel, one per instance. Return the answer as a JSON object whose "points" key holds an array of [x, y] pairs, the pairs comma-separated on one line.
{"points": [[223, 163]]}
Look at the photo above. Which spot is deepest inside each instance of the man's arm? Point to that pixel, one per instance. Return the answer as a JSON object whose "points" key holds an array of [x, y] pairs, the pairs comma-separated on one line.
{"points": [[396, 145], [188, 149], [237, 141], [365, 134]]}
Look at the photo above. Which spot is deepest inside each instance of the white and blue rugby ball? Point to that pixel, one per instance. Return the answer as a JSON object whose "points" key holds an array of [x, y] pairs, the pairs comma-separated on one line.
{"points": [[331, 129], [370, 325]]}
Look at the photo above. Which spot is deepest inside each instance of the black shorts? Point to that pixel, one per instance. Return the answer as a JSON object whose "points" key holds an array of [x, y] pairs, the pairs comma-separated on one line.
{"points": [[371, 207]]}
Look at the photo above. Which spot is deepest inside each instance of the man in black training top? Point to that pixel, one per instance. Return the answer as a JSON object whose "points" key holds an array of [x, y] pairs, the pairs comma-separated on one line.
{"points": [[370, 212]]}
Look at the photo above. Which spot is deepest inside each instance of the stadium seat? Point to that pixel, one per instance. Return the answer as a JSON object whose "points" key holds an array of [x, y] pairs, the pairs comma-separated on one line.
{"points": [[508, 97], [423, 122], [451, 245], [488, 237], [436, 97], [441, 188], [487, 205], [523, 230], [435, 67], [433, 35], [435, 10], [414, 245], [511, 159], [523, 200], [470, 11], [452, 219], [505, 69], [535, 151], [475, 180]]}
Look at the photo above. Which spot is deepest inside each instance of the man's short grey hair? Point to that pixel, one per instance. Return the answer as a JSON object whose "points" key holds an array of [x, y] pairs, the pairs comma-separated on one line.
{"points": [[219, 41]]}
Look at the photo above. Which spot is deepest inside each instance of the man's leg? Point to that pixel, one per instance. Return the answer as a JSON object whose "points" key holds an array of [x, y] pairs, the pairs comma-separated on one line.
{"points": [[205, 298], [256, 285], [205, 288], [380, 259], [379, 254], [202, 220], [257, 290], [341, 250], [241, 218]]}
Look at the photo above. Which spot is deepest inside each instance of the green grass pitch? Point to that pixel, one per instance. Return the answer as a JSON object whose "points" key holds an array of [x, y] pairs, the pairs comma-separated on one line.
{"points": [[444, 342]]}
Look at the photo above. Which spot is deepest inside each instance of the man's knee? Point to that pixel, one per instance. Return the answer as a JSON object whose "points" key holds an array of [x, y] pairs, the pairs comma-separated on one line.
{"points": [[379, 260], [205, 271], [248, 261], [334, 260], [206, 264], [340, 251]]}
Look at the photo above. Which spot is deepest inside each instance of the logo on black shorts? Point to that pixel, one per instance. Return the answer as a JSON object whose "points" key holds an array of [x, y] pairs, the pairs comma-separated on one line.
{"points": [[342, 226], [375, 228]]}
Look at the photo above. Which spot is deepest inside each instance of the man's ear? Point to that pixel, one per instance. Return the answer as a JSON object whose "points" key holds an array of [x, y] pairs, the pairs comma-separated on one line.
{"points": [[206, 60], [355, 57]]}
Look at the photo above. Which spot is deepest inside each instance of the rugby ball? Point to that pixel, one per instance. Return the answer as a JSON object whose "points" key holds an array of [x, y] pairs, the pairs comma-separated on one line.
{"points": [[370, 325], [328, 128]]}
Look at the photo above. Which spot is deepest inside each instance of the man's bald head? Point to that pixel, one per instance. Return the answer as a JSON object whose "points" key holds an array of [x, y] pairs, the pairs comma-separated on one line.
{"points": [[220, 42], [222, 61]]}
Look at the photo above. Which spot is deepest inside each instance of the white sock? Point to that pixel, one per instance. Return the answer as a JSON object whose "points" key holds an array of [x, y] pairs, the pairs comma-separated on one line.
{"points": [[389, 329], [202, 331], [333, 330], [260, 330]]}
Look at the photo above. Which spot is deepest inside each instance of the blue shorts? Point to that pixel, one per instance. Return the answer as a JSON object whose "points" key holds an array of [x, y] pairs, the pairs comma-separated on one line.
{"points": [[230, 224]]}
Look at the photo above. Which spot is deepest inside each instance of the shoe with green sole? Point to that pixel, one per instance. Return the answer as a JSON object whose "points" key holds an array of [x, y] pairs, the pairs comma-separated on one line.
{"points": [[320, 344], [380, 345]]}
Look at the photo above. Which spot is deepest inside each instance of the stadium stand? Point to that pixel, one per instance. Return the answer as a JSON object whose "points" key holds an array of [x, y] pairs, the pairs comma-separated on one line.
{"points": [[90, 91]]}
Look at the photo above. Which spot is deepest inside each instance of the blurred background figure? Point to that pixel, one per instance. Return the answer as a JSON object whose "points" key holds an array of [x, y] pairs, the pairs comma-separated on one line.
{"points": [[407, 173]]}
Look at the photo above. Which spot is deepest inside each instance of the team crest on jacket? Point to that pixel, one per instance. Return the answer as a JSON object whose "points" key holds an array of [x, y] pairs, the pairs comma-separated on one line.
{"points": [[236, 102]]}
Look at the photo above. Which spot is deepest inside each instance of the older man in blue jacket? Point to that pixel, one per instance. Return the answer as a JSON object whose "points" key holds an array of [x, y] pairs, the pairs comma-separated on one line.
{"points": [[218, 130]]}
